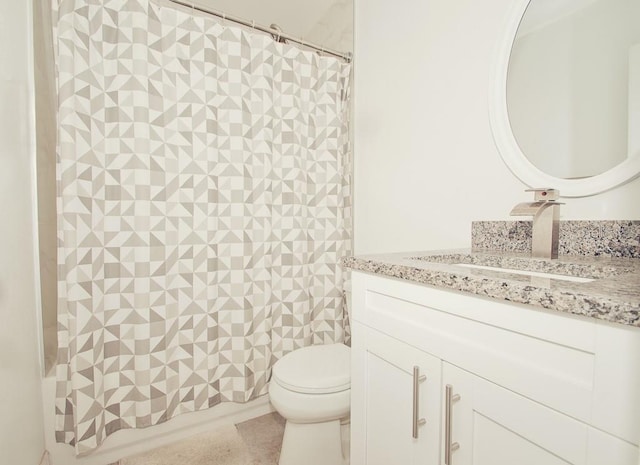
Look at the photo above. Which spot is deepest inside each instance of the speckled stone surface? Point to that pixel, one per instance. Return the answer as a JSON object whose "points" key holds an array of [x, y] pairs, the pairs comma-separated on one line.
{"points": [[594, 238], [613, 295]]}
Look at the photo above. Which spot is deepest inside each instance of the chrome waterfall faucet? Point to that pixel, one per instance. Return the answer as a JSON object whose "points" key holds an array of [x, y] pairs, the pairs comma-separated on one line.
{"points": [[545, 210]]}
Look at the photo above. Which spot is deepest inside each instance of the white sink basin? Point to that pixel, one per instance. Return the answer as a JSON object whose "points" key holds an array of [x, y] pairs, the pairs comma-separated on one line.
{"points": [[538, 274]]}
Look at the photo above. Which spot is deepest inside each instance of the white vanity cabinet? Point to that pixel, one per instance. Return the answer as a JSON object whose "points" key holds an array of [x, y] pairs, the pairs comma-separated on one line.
{"points": [[494, 426], [535, 387]]}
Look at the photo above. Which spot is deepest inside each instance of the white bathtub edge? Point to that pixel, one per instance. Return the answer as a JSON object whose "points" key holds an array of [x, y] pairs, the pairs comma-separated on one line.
{"points": [[126, 443]]}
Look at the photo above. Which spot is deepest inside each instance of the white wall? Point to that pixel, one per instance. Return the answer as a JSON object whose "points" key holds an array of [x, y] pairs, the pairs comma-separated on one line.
{"points": [[328, 23], [426, 165], [334, 29], [21, 420]]}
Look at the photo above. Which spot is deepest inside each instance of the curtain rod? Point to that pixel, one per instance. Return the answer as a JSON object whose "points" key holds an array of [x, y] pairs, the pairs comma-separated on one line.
{"points": [[269, 30]]}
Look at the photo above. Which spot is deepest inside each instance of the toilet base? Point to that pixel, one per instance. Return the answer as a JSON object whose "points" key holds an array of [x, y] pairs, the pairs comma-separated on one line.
{"points": [[312, 444]]}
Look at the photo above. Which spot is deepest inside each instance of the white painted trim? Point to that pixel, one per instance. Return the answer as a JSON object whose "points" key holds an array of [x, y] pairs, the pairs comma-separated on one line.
{"points": [[507, 145], [45, 458], [33, 156]]}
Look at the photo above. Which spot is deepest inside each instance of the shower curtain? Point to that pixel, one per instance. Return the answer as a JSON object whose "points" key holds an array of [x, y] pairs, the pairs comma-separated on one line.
{"points": [[203, 207]]}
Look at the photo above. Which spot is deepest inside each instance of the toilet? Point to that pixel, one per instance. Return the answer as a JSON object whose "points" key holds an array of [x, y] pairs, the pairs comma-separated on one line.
{"points": [[311, 388]]}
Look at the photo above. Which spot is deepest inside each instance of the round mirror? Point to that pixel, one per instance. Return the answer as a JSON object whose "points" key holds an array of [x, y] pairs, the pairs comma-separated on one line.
{"points": [[565, 109]]}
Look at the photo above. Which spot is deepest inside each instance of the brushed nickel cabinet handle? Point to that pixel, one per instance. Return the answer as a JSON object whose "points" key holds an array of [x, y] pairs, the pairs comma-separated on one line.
{"points": [[417, 379], [449, 447]]}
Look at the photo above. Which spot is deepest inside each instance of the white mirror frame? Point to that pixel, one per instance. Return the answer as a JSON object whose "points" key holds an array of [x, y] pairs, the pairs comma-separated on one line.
{"points": [[508, 147]]}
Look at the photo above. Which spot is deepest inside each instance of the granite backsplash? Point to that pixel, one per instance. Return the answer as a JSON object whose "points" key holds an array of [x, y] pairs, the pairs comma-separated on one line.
{"points": [[587, 238]]}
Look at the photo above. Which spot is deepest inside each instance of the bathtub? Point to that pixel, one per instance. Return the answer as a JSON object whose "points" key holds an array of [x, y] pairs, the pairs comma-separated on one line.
{"points": [[125, 443]]}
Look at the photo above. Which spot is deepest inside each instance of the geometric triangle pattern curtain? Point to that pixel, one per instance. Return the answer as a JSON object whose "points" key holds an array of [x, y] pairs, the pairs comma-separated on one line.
{"points": [[204, 204]]}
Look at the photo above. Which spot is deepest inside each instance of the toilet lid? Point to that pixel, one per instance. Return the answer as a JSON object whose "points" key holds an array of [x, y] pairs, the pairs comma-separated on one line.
{"points": [[319, 369]]}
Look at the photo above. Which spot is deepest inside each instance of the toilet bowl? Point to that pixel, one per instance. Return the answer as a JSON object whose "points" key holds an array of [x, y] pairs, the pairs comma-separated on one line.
{"points": [[311, 389]]}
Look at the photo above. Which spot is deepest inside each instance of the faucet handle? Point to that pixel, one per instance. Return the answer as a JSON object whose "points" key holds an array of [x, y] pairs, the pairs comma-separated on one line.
{"points": [[544, 194]]}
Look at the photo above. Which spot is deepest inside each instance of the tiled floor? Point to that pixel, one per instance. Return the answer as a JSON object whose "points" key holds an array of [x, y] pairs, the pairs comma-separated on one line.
{"points": [[263, 437], [253, 442]]}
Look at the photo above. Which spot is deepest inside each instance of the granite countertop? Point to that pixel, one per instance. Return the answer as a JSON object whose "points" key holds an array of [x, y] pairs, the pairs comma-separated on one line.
{"points": [[613, 294]]}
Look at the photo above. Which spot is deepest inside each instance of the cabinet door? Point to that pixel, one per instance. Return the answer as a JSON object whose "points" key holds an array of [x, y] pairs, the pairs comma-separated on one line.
{"points": [[494, 426], [384, 407]]}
